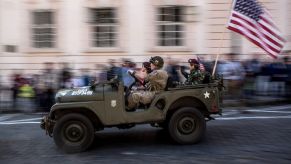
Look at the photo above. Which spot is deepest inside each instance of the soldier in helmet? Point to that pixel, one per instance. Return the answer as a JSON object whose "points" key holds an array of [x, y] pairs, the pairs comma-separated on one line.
{"points": [[140, 76], [196, 76], [156, 82]]}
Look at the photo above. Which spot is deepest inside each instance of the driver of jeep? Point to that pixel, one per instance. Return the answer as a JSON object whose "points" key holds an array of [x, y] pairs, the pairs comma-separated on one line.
{"points": [[156, 82]]}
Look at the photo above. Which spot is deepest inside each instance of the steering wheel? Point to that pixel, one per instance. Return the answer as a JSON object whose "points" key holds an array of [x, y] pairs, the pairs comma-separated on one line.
{"points": [[132, 73], [128, 89]]}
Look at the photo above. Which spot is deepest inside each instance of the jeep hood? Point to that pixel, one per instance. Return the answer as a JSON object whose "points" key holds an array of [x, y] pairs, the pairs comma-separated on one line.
{"points": [[80, 94]]}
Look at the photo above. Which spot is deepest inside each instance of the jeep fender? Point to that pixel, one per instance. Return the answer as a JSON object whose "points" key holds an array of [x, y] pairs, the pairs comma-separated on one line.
{"points": [[187, 101], [58, 110]]}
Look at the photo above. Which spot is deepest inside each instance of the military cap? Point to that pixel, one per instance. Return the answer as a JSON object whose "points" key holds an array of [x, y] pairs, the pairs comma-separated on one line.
{"points": [[193, 61]]}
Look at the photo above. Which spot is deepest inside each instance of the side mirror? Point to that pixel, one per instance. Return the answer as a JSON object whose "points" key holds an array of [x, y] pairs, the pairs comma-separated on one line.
{"points": [[92, 84]]}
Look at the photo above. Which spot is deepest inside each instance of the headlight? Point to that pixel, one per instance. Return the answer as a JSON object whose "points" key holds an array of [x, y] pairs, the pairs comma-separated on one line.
{"points": [[60, 94], [57, 99]]}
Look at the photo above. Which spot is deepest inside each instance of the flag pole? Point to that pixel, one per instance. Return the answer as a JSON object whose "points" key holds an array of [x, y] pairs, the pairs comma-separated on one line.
{"points": [[219, 52], [217, 55], [220, 48]]}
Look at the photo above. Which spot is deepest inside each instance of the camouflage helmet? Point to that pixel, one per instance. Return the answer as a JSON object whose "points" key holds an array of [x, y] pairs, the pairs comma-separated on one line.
{"points": [[157, 61]]}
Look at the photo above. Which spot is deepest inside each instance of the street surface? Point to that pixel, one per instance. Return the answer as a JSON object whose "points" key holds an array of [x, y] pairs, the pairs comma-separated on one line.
{"points": [[241, 135]]}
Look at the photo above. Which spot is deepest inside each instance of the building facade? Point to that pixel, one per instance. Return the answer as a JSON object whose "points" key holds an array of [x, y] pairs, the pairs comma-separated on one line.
{"points": [[89, 32]]}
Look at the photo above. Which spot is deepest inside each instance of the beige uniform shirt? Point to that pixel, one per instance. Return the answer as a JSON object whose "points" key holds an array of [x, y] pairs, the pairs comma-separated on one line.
{"points": [[157, 80]]}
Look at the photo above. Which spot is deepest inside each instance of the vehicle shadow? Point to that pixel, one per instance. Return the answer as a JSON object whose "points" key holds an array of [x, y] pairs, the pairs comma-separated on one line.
{"points": [[131, 137], [151, 138]]}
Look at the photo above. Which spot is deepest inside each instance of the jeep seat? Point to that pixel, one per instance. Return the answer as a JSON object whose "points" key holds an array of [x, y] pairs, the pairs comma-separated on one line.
{"points": [[170, 83]]}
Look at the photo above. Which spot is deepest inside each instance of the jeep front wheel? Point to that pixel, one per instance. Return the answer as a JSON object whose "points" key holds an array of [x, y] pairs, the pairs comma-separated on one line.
{"points": [[187, 126], [73, 133]]}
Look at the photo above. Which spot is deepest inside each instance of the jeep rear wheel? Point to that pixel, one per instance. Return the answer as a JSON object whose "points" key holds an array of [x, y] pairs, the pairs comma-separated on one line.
{"points": [[73, 133], [187, 126]]}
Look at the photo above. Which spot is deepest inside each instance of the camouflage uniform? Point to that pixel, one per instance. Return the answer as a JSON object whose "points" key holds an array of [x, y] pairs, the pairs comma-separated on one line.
{"points": [[195, 77], [156, 82]]}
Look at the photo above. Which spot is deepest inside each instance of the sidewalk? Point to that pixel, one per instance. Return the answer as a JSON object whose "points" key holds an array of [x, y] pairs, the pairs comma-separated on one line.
{"points": [[256, 101]]}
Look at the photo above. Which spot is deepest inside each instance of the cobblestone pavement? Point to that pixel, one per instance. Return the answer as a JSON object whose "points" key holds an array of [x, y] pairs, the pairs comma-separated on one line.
{"points": [[260, 135]]}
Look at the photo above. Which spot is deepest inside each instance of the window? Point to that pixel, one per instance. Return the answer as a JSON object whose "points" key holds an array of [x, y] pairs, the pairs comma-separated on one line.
{"points": [[170, 26], [10, 48], [103, 27], [43, 30]]}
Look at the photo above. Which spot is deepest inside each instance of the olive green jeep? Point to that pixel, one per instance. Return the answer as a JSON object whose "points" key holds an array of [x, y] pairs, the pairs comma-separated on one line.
{"points": [[78, 113]]}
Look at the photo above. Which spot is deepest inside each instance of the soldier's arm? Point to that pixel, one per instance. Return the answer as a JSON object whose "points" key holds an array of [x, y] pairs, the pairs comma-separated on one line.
{"points": [[184, 73]]}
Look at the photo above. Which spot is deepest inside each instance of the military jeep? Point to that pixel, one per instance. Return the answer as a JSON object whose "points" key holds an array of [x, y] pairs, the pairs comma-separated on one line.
{"points": [[182, 110]]}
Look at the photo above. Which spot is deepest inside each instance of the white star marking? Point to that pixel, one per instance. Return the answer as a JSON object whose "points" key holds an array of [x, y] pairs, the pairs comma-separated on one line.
{"points": [[206, 94]]}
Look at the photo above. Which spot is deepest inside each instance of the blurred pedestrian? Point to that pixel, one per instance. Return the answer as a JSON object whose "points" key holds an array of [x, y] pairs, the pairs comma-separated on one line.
{"points": [[249, 82], [279, 77], [26, 96], [172, 70], [65, 76], [86, 78], [127, 79], [48, 81], [16, 84], [113, 71], [287, 62], [76, 81], [101, 74], [234, 74]]}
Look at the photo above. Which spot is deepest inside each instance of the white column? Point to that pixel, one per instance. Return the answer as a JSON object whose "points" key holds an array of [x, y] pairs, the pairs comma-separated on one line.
{"points": [[200, 33], [284, 20], [136, 26], [10, 23], [70, 26], [1, 22]]}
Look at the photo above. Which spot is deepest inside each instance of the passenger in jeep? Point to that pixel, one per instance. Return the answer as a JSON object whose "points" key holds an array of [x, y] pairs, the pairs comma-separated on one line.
{"points": [[156, 82], [196, 76], [140, 76]]}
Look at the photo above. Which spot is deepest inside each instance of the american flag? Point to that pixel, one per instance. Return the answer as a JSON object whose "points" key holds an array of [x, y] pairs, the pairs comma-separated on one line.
{"points": [[250, 19], [201, 65]]}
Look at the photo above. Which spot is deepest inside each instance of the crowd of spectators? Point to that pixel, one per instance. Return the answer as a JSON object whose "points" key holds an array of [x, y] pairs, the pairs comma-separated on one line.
{"points": [[242, 79]]}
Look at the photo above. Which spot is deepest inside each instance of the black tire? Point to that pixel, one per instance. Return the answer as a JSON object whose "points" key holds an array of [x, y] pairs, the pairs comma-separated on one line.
{"points": [[187, 126], [73, 133]]}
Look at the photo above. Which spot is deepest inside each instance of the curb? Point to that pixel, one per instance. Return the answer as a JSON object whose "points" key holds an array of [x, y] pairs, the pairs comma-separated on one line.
{"points": [[13, 111], [255, 102]]}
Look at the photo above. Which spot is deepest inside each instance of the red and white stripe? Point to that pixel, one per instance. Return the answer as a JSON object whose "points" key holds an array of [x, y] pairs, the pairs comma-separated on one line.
{"points": [[263, 33], [201, 65]]}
